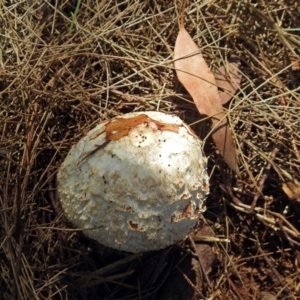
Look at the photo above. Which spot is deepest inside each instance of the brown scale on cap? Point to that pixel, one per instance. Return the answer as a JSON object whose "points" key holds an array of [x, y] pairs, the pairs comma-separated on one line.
{"points": [[184, 196], [120, 127], [184, 214], [135, 226]]}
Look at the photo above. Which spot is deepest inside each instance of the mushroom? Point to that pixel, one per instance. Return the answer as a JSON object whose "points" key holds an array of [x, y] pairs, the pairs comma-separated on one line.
{"points": [[137, 182]]}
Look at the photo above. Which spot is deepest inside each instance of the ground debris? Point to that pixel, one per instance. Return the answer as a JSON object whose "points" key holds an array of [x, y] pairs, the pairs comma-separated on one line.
{"points": [[56, 84]]}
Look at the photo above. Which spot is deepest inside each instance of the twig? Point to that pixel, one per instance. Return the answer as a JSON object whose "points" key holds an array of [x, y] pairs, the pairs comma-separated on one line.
{"points": [[261, 214], [200, 261], [53, 200], [262, 181], [288, 238], [195, 288], [235, 290], [277, 275]]}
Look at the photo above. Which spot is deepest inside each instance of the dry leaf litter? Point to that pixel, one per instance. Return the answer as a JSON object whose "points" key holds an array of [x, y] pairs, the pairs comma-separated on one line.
{"points": [[57, 83]]}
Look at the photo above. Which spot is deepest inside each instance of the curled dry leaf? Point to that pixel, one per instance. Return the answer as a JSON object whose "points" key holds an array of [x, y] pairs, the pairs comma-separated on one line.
{"points": [[228, 79], [295, 62], [194, 74], [292, 190]]}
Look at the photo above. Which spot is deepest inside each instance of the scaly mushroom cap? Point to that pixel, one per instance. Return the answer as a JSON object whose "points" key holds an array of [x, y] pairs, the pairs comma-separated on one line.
{"points": [[139, 180]]}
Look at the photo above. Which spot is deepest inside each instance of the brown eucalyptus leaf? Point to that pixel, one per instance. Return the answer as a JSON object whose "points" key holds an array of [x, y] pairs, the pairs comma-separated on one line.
{"points": [[228, 79], [194, 74]]}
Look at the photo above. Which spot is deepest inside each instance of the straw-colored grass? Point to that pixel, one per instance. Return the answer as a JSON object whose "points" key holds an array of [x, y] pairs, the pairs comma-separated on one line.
{"points": [[63, 70]]}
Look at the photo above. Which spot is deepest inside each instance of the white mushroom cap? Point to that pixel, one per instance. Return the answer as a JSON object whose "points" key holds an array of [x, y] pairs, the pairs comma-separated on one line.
{"points": [[139, 179]]}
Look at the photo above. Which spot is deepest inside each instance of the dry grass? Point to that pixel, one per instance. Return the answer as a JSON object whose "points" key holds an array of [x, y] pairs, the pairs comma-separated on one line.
{"points": [[57, 83]]}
